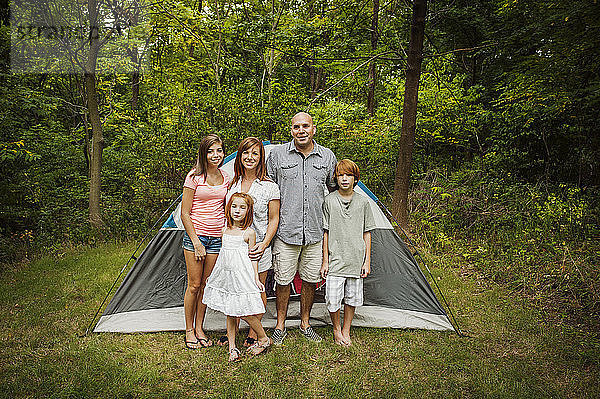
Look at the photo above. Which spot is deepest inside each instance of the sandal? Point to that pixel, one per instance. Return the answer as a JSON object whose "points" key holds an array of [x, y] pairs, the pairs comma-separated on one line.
{"points": [[257, 348], [190, 344], [234, 355], [249, 341], [223, 340], [204, 342]]}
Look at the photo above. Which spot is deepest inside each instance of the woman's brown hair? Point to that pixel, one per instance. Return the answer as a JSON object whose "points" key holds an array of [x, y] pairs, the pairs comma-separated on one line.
{"points": [[238, 168], [201, 162], [247, 221]]}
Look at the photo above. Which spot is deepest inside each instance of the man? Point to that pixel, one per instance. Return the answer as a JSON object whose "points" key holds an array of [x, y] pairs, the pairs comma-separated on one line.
{"points": [[302, 169]]}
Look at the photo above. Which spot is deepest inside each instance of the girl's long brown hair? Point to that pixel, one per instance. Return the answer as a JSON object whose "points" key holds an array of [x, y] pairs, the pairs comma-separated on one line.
{"points": [[238, 168], [247, 221], [205, 144]]}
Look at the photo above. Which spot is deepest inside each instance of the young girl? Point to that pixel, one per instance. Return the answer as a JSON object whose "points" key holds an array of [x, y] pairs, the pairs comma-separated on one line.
{"points": [[234, 287]]}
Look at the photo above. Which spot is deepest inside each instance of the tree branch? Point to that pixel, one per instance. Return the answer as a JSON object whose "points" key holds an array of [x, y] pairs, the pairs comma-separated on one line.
{"points": [[342, 79]]}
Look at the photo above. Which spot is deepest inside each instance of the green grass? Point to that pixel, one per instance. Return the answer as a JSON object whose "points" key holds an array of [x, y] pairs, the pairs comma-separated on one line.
{"points": [[511, 349]]}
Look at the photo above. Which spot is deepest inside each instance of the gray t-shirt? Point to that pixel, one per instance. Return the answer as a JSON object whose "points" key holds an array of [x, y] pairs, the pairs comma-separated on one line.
{"points": [[346, 222]]}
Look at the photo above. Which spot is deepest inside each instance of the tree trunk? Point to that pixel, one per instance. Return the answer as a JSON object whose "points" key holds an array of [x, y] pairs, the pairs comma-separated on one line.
{"points": [[135, 59], [372, 68], [317, 79], [409, 113], [135, 89], [315, 74], [95, 217], [311, 80], [217, 63]]}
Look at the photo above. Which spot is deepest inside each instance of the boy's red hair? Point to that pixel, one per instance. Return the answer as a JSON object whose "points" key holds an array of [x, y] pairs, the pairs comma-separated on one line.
{"points": [[348, 167], [247, 221]]}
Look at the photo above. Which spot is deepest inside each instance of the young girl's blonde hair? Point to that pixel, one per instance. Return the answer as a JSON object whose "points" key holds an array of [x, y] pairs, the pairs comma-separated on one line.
{"points": [[247, 221]]}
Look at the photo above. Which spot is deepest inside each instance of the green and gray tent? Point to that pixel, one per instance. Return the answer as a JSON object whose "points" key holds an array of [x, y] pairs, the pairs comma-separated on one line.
{"points": [[396, 293]]}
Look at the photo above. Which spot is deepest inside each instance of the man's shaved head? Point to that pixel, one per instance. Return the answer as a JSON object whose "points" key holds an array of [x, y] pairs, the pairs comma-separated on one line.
{"points": [[303, 130], [303, 115]]}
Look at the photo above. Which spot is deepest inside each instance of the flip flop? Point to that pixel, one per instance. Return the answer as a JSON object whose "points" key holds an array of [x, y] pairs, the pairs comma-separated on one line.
{"points": [[257, 348], [205, 342], [234, 355], [188, 344], [223, 340]]}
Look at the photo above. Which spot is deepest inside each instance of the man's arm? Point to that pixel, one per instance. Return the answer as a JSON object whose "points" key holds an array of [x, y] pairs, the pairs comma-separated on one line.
{"points": [[330, 181], [271, 167]]}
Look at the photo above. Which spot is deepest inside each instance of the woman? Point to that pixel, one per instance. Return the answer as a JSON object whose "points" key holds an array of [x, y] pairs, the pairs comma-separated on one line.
{"points": [[203, 216], [251, 178]]}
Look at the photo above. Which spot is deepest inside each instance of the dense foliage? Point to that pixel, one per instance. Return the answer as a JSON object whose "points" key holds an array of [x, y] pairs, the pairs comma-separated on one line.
{"points": [[507, 149]]}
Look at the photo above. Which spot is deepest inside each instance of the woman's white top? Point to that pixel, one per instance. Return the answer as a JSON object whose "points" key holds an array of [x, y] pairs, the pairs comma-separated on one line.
{"points": [[262, 192]]}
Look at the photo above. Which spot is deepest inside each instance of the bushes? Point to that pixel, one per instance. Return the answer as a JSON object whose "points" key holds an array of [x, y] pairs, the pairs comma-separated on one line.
{"points": [[539, 240]]}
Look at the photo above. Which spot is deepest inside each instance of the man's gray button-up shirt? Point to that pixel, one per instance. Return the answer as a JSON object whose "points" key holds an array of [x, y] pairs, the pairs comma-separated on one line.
{"points": [[303, 183]]}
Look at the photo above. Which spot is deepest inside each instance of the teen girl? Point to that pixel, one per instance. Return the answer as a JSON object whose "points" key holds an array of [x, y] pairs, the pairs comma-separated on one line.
{"points": [[203, 216], [234, 287]]}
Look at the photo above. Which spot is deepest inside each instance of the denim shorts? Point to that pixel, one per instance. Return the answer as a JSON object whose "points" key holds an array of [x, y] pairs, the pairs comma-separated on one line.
{"points": [[211, 244]]}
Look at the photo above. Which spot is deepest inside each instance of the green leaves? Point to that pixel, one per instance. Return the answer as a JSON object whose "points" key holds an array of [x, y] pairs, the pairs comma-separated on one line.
{"points": [[16, 151], [511, 84]]}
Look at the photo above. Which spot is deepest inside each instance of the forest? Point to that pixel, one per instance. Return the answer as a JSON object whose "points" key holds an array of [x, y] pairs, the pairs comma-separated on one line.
{"points": [[505, 175]]}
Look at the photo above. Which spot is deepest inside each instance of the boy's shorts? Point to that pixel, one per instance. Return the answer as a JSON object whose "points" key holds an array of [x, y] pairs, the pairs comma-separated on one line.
{"points": [[304, 259], [350, 289]]}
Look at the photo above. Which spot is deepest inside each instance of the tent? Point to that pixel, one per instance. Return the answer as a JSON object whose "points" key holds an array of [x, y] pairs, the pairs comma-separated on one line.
{"points": [[396, 293]]}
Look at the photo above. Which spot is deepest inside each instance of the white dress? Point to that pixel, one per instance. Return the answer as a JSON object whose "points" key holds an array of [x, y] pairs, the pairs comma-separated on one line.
{"points": [[231, 288]]}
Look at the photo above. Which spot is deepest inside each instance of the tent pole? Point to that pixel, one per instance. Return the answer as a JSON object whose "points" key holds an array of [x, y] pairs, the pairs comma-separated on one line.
{"points": [[132, 257], [456, 327]]}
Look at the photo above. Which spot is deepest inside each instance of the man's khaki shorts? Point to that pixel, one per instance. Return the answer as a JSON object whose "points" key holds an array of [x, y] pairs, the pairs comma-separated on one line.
{"points": [[304, 259]]}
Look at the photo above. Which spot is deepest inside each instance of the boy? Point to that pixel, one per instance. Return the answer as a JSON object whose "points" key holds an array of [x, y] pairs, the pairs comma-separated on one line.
{"points": [[347, 220]]}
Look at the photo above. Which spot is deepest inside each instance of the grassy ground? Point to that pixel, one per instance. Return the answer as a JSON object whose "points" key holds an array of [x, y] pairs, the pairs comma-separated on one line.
{"points": [[510, 351]]}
